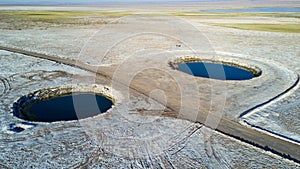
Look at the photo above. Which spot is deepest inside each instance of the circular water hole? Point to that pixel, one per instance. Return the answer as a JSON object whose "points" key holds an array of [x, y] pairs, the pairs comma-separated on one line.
{"points": [[62, 104], [216, 70]]}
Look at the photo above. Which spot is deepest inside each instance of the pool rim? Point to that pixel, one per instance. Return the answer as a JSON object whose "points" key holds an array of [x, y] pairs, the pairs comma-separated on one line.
{"points": [[25, 101], [255, 70]]}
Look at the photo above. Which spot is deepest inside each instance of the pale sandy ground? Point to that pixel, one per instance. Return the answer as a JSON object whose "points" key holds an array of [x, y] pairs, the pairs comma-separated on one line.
{"points": [[283, 116], [250, 47], [123, 138]]}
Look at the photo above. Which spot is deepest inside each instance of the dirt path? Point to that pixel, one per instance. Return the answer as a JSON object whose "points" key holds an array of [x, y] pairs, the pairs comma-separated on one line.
{"points": [[146, 82]]}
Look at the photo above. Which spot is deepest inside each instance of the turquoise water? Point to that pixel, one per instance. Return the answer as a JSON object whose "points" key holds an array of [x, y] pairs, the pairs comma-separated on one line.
{"points": [[63, 109], [215, 71], [257, 10]]}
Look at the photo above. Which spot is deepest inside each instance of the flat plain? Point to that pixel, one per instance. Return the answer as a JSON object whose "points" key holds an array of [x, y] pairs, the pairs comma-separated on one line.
{"points": [[163, 118]]}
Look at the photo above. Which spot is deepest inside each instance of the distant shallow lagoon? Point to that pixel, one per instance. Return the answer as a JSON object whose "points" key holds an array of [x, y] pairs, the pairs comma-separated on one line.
{"points": [[259, 10]]}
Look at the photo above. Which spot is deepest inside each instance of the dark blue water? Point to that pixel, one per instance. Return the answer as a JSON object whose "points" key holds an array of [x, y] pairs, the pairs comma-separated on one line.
{"points": [[259, 10], [215, 71], [63, 109]]}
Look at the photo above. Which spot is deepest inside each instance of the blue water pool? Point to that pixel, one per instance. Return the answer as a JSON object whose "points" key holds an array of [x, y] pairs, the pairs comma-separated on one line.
{"points": [[70, 107], [215, 71]]}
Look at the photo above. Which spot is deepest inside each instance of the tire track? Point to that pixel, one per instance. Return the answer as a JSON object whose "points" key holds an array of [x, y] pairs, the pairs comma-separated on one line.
{"points": [[226, 126], [178, 142], [261, 106], [5, 86], [245, 115]]}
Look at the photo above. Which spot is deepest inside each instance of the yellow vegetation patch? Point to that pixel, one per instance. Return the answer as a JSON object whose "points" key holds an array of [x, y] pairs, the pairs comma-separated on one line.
{"points": [[48, 14], [236, 14], [289, 28]]}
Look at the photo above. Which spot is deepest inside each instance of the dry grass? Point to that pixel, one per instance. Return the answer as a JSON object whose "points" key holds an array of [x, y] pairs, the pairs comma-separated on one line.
{"points": [[270, 27], [48, 14], [212, 15], [288, 28], [18, 20]]}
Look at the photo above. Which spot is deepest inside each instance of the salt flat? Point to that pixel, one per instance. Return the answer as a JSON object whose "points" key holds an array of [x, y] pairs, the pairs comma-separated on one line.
{"points": [[136, 50]]}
